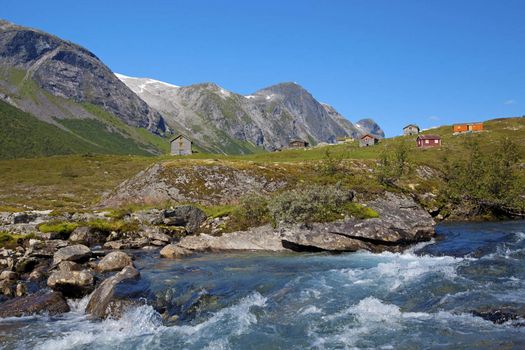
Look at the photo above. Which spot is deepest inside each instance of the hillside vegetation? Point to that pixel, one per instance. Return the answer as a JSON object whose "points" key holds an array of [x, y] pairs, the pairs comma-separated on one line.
{"points": [[78, 182]]}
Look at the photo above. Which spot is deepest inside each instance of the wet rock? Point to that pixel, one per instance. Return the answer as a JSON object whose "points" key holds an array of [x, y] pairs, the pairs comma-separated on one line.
{"points": [[38, 274], [45, 249], [108, 300], [26, 265], [7, 287], [20, 290], [117, 245], [67, 266], [173, 251], [114, 261], [74, 284], [189, 216], [156, 234], [8, 275], [77, 253], [46, 236], [52, 303], [502, 315]]}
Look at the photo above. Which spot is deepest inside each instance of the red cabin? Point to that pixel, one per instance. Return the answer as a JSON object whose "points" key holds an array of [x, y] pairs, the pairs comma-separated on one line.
{"points": [[426, 141]]}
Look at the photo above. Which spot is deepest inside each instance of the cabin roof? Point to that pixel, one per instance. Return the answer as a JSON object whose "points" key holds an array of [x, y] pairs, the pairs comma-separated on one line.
{"points": [[179, 136], [409, 125], [429, 137], [365, 135], [468, 123]]}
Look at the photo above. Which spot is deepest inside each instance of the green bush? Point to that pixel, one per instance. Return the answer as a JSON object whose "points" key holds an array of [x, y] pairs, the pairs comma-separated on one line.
{"points": [[311, 204], [252, 211], [109, 226], [9, 240], [63, 228]]}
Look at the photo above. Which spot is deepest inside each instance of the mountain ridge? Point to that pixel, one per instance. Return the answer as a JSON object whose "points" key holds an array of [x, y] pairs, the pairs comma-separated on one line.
{"points": [[268, 118]]}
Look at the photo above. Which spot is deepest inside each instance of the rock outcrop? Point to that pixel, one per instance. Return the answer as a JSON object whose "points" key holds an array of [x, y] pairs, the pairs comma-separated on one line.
{"points": [[203, 182], [401, 222], [69, 71]]}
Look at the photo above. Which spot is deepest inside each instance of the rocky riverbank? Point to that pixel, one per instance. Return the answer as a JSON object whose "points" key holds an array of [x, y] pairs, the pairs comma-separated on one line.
{"points": [[41, 269]]}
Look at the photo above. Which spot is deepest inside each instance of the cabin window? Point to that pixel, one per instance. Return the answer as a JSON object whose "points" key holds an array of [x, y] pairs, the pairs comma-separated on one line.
{"points": [[436, 141], [426, 142]]}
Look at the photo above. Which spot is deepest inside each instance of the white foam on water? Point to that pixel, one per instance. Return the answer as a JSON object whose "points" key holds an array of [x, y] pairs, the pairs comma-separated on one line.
{"points": [[239, 313], [371, 316], [139, 321], [309, 310], [395, 270], [145, 322]]}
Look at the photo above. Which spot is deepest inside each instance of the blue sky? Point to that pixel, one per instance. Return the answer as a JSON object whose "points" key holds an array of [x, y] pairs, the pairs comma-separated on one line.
{"points": [[431, 62]]}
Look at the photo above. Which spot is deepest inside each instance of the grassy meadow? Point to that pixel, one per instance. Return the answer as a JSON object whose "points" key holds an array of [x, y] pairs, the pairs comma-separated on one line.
{"points": [[76, 182]]}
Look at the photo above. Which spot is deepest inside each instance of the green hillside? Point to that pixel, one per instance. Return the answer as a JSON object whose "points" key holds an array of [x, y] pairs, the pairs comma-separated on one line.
{"points": [[24, 136]]}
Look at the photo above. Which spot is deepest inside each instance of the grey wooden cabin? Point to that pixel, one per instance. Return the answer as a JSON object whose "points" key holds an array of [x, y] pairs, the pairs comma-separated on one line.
{"points": [[368, 140], [411, 129], [180, 146]]}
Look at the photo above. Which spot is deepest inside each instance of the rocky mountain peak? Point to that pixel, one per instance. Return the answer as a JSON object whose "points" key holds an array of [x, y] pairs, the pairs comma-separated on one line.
{"points": [[70, 71]]}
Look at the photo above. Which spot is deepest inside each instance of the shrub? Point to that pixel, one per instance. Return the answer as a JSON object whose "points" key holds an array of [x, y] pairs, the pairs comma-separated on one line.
{"points": [[310, 204], [9, 240], [107, 226], [252, 211], [63, 228]]}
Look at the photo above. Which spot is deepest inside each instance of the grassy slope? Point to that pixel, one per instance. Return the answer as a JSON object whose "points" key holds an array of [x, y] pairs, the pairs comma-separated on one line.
{"points": [[76, 182], [22, 135], [103, 134]]}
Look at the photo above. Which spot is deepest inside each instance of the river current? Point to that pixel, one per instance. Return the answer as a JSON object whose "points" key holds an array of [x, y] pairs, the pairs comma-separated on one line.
{"points": [[420, 299]]}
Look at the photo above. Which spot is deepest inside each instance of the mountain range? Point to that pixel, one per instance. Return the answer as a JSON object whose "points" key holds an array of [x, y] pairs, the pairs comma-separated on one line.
{"points": [[56, 97]]}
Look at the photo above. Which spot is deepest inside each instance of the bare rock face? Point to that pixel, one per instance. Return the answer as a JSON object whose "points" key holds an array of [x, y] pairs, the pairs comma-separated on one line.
{"points": [[114, 261], [67, 70], [50, 303], [77, 253], [268, 118], [188, 216], [107, 300], [206, 183], [73, 284]]}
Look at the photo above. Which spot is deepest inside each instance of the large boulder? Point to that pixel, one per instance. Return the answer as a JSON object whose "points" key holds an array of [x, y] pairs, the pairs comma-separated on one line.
{"points": [[51, 303], [401, 222], [87, 236], [74, 284], [114, 261], [189, 216], [108, 300], [172, 251], [77, 253], [259, 238]]}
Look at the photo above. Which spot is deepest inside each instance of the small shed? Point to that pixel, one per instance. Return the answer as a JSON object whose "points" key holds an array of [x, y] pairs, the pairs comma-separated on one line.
{"points": [[180, 146], [368, 140], [427, 141], [468, 127], [298, 144], [411, 129]]}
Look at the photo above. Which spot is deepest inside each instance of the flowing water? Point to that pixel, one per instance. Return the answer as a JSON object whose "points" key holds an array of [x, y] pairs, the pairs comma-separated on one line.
{"points": [[421, 298]]}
